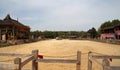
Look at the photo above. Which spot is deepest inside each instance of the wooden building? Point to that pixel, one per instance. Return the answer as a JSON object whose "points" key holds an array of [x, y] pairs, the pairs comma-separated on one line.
{"points": [[12, 29], [111, 32], [92, 33]]}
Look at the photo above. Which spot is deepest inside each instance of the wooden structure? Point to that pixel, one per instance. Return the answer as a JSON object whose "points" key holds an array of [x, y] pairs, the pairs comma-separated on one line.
{"points": [[91, 33], [18, 63], [13, 29], [105, 61], [111, 32], [34, 58], [78, 61]]}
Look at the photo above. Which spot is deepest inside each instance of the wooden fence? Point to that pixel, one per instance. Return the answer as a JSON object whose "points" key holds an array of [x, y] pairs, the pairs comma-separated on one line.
{"points": [[18, 63], [34, 58], [105, 61]]}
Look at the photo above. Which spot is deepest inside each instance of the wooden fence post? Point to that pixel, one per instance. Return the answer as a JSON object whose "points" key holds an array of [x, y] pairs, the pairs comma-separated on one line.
{"points": [[78, 64], [106, 64], [89, 61], [18, 61], [34, 63], [0, 34]]}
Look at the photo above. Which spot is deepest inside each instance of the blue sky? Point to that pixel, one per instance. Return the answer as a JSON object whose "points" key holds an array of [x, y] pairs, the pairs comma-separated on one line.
{"points": [[61, 15]]}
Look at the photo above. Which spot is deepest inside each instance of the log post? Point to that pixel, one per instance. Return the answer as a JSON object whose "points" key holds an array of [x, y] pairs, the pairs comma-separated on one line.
{"points": [[18, 62], [78, 64], [34, 63], [89, 61], [106, 64], [13, 32], [0, 34]]}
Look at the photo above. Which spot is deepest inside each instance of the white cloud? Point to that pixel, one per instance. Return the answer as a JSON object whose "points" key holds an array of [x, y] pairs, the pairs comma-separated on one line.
{"points": [[62, 14]]}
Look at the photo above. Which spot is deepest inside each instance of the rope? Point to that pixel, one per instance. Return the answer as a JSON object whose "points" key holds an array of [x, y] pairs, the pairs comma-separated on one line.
{"points": [[63, 56], [60, 56], [84, 53], [99, 53]]}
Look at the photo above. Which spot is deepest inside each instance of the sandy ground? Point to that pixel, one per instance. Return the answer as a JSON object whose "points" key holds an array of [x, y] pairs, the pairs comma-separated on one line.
{"points": [[64, 48]]}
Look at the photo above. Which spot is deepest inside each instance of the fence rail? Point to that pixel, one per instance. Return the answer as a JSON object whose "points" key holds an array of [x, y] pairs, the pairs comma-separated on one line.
{"points": [[13, 54], [106, 56], [105, 61], [27, 60], [34, 58], [57, 61], [115, 67]]}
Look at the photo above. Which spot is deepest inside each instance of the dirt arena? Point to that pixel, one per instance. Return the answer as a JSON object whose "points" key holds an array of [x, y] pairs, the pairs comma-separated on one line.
{"points": [[64, 48]]}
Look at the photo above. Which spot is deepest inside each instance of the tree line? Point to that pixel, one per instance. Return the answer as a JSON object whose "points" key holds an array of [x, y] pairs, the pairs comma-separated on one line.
{"points": [[91, 33], [61, 34]]}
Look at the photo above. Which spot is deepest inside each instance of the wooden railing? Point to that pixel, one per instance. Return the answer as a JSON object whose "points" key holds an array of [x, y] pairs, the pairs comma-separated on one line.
{"points": [[91, 58], [34, 58], [105, 61], [78, 61]]}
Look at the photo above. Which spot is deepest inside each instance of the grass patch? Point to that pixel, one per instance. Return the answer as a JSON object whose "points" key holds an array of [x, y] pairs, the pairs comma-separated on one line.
{"points": [[4, 44]]}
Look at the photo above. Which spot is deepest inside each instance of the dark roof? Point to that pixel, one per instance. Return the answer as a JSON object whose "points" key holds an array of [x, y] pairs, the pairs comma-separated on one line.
{"points": [[8, 20], [7, 17], [111, 27], [1, 21], [117, 25]]}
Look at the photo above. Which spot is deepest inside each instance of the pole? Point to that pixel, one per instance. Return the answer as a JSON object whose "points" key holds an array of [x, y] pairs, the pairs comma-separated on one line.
{"points": [[18, 61], [78, 64], [34, 63], [89, 61], [0, 34], [106, 64]]}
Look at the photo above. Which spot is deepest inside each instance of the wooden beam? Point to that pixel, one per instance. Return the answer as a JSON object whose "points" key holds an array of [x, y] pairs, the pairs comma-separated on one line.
{"points": [[94, 60], [106, 64], [115, 67], [0, 34], [78, 65], [89, 61], [27, 60], [57, 61], [13, 32], [14, 54], [18, 62], [105, 56], [34, 63]]}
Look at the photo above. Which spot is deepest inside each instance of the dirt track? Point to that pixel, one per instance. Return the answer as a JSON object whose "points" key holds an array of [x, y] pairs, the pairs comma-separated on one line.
{"points": [[64, 48]]}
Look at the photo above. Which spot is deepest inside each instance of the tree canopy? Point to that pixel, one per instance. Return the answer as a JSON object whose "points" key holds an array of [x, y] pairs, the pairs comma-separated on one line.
{"points": [[109, 24], [92, 33]]}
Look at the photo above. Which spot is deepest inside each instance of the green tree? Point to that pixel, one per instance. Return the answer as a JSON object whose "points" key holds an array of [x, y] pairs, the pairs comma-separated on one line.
{"points": [[49, 34], [92, 33], [115, 22], [106, 24], [36, 33]]}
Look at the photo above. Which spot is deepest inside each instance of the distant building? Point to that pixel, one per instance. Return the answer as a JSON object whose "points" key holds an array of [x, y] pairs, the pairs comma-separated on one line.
{"points": [[92, 33], [111, 32], [12, 29]]}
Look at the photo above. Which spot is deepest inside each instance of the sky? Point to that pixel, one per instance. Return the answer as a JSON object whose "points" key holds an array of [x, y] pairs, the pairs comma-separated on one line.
{"points": [[61, 15]]}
